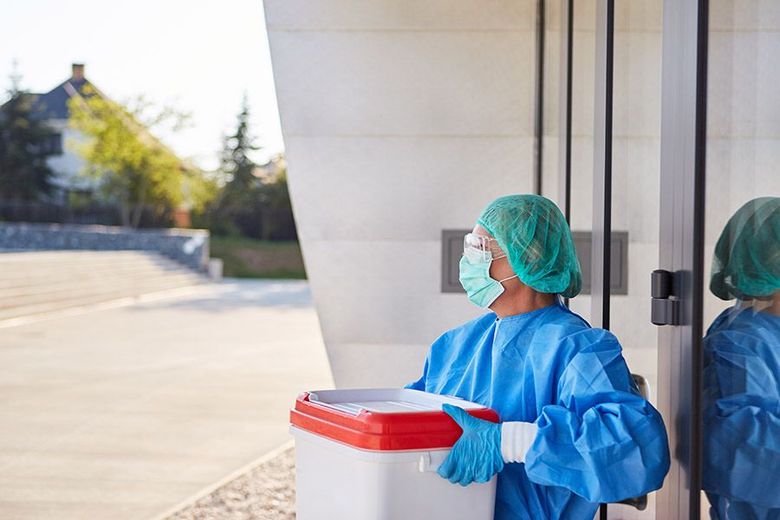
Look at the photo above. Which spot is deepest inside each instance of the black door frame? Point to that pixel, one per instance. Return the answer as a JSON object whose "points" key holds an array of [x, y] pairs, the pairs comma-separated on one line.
{"points": [[602, 171], [681, 248]]}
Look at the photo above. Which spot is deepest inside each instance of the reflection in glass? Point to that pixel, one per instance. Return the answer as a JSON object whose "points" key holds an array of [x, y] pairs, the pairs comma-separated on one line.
{"points": [[741, 474]]}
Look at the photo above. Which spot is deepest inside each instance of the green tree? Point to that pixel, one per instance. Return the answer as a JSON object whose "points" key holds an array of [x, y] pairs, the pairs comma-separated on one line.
{"points": [[236, 165], [253, 201], [134, 169], [24, 147], [276, 209], [236, 208], [199, 190]]}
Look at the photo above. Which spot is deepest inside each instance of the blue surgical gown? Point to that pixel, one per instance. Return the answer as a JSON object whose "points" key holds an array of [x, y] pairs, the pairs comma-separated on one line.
{"points": [[598, 441], [742, 415]]}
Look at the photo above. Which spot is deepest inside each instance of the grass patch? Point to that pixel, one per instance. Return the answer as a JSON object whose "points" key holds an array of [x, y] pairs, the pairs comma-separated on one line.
{"points": [[250, 258]]}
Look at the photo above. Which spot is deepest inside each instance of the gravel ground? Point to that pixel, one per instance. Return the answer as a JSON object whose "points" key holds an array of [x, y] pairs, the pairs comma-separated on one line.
{"points": [[264, 493]]}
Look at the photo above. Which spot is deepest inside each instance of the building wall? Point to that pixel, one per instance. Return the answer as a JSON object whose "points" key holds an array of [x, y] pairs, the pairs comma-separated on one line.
{"points": [[400, 119], [69, 165], [404, 118]]}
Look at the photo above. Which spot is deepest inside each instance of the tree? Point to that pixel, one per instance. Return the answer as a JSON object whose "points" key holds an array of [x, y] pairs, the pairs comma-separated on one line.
{"points": [[277, 217], [134, 169], [236, 165], [236, 208], [253, 201], [25, 146]]}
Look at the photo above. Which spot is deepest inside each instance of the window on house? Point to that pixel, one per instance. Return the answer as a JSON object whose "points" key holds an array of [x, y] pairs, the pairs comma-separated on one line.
{"points": [[53, 144]]}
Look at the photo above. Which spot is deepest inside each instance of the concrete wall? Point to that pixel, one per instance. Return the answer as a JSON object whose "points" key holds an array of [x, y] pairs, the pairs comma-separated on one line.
{"points": [[400, 119], [187, 246], [404, 118]]}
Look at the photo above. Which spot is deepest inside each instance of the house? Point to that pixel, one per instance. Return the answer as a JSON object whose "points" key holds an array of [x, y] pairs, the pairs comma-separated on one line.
{"points": [[65, 162]]}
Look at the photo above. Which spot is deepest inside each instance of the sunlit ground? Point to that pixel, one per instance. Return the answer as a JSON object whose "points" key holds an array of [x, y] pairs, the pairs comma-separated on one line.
{"points": [[125, 412]]}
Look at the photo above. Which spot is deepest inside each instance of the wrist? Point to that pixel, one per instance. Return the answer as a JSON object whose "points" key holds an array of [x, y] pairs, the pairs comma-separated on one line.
{"points": [[516, 439]]}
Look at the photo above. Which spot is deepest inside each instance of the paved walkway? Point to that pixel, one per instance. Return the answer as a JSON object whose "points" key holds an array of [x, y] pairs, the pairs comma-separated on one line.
{"points": [[122, 413]]}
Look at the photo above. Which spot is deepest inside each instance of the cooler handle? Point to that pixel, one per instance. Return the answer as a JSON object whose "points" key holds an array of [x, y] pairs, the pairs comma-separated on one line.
{"points": [[431, 460]]}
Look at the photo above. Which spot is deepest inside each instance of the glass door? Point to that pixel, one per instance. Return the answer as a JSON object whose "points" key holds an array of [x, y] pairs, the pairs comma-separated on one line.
{"points": [[626, 190], [603, 136], [718, 306], [634, 193], [665, 129], [740, 457]]}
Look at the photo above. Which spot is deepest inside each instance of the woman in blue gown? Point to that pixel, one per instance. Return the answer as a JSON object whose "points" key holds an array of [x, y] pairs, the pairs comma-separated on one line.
{"points": [[741, 474], [574, 432]]}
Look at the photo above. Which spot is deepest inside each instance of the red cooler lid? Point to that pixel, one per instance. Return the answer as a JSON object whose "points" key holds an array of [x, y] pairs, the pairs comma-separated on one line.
{"points": [[383, 419]]}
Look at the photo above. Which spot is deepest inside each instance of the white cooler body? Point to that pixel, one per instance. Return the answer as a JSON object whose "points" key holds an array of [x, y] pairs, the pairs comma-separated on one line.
{"points": [[335, 481]]}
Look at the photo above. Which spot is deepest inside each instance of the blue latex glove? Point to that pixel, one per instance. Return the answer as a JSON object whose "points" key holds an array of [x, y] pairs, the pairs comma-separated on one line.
{"points": [[476, 456]]}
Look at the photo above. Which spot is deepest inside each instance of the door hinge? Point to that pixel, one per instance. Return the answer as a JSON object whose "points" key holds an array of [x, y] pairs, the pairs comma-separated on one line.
{"points": [[665, 308]]}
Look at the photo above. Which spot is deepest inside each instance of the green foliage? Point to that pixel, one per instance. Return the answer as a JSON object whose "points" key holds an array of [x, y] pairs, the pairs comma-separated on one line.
{"points": [[236, 166], [200, 191], [24, 148], [254, 201], [135, 170], [275, 206]]}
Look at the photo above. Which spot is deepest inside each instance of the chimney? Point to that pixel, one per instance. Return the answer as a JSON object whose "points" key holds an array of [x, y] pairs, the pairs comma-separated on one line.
{"points": [[78, 72]]}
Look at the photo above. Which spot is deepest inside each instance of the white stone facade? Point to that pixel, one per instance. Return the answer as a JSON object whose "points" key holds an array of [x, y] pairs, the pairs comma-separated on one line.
{"points": [[400, 119], [404, 118]]}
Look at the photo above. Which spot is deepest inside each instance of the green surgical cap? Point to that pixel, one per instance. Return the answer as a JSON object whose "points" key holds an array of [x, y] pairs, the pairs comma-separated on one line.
{"points": [[746, 263], [536, 238]]}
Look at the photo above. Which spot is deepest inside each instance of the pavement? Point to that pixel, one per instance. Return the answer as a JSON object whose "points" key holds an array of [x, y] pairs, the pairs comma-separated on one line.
{"points": [[124, 412]]}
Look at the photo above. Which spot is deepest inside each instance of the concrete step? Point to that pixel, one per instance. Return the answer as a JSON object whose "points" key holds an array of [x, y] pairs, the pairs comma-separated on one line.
{"points": [[89, 299], [55, 280], [92, 257], [76, 290], [20, 274], [75, 257], [54, 273], [42, 308], [44, 281]]}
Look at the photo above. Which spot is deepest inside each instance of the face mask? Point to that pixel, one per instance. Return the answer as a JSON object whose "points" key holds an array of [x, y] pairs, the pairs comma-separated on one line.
{"points": [[475, 278]]}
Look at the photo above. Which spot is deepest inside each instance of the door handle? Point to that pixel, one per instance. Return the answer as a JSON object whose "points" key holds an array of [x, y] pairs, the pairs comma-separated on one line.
{"points": [[665, 307]]}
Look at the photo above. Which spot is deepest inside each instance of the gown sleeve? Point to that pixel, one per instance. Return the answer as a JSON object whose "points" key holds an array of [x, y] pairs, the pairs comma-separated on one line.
{"points": [[741, 421], [600, 440]]}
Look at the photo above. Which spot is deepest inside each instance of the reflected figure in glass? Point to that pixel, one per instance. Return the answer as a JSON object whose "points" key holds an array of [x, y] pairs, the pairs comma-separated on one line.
{"points": [[741, 474]]}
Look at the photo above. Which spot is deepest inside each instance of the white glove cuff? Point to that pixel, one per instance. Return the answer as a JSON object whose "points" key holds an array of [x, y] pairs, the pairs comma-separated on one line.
{"points": [[516, 438]]}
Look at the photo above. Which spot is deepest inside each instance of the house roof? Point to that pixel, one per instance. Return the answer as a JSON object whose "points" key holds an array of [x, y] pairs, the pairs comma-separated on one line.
{"points": [[54, 104]]}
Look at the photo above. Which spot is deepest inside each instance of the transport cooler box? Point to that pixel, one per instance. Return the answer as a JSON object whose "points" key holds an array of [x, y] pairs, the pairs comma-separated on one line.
{"points": [[373, 454]]}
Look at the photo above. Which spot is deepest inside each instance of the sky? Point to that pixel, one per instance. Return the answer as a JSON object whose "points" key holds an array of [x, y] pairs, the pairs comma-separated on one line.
{"points": [[198, 56]]}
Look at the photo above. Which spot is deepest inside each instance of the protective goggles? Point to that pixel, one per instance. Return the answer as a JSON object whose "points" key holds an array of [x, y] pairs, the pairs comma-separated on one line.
{"points": [[481, 248]]}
